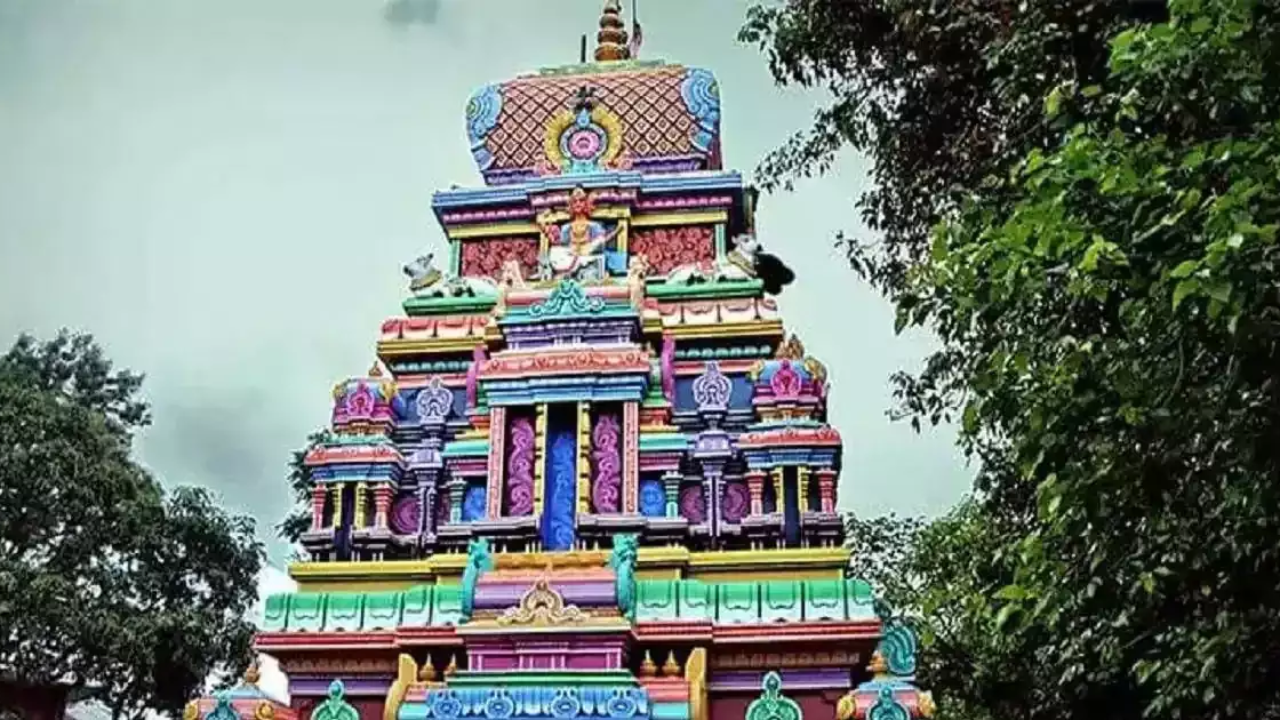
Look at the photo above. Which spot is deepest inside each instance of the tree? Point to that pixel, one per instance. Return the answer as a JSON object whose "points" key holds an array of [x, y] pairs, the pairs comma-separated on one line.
{"points": [[1091, 235], [298, 520], [108, 584]]}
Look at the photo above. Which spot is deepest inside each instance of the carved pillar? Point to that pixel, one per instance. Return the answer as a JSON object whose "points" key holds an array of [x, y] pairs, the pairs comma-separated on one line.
{"points": [[457, 486], [318, 494], [583, 467], [539, 460], [671, 488], [802, 488], [381, 504], [631, 457], [827, 488], [361, 498], [434, 404], [712, 447], [755, 485], [337, 505], [779, 498], [497, 448]]}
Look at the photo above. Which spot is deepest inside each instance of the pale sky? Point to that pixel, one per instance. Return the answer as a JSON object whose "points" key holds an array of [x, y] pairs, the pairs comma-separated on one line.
{"points": [[223, 193]]}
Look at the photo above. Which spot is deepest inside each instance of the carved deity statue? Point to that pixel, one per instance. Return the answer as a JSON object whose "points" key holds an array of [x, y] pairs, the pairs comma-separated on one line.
{"points": [[577, 248]]}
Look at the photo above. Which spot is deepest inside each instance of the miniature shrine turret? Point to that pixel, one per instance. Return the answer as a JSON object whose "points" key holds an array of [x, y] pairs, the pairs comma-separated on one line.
{"points": [[590, 474]]}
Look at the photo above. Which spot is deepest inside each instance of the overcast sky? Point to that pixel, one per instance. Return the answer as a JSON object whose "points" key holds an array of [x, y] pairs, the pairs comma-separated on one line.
{"points": [[223, 193]]}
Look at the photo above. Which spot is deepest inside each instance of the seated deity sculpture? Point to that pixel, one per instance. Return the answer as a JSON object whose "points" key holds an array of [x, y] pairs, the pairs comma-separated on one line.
{"points": [[578, 248]]}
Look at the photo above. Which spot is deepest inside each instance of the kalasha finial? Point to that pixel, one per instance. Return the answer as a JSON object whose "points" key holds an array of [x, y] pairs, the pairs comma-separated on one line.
{"points": [[611, 41]]}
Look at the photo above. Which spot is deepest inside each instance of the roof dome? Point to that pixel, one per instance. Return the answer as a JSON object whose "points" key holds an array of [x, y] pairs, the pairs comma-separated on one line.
{"points": [[613, 114]]}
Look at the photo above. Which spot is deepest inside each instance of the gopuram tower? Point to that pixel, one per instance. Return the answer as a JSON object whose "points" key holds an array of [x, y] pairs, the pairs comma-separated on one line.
{"points": [[590, 474]]}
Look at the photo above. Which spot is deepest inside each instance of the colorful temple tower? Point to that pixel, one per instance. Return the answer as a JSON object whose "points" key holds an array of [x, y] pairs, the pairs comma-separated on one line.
{"points": [[589, 475]]}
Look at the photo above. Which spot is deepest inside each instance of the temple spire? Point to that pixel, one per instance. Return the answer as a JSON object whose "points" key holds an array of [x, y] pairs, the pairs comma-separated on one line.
{"points": [[611, 40]]}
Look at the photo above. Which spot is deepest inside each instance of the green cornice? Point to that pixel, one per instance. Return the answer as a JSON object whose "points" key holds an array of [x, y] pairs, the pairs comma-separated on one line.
{"points": [[747, 288], [417, 306]]}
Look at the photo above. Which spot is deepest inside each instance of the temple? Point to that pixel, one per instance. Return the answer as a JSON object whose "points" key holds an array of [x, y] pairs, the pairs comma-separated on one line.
{"points": [[589, 473]]}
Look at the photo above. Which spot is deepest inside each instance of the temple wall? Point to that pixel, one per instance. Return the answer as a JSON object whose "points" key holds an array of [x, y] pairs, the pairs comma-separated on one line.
{"points": [[816, 705]]}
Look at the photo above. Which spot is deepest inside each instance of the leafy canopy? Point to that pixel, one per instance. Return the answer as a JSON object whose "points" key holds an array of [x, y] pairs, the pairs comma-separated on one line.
{"points": [[107, 583], [1082, 205]]}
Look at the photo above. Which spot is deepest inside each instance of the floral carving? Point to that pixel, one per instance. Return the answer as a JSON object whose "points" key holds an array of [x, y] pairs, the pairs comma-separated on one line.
{"points": [[484, 258], [406, 514], [542, 605], [736, 500], [606, 490], [711, 389], [520, 468], [667, 248], [693, 505]]}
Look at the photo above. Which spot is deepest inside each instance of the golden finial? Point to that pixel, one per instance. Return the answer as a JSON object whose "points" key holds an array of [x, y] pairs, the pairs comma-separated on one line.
{"points": [[671, 668], [611, 40], [428, 672], [648, 668], [191, 711], [792, 349], [925, 705], [264, 711], [375, 371], [847, 707], [452, 668], [878, 666]]}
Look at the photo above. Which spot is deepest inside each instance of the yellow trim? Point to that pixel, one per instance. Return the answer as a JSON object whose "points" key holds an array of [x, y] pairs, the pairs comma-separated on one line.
{"points": [[690, 218], [406, 675], [759, 328], [695, 673], [802, 488], [396, 348], [337, 506], [584, 458], [361, 503], [652, 563], [467, 232], [539, 459]]}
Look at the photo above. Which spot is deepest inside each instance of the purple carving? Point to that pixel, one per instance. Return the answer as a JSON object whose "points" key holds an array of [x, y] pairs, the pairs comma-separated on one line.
{"points": [[405, 514], [473, 375], [520, 468], [711, 389], [608, 464], [693, 506], [668, 366], [442, 509], [785, 383], [434, 402], [736, 501]]}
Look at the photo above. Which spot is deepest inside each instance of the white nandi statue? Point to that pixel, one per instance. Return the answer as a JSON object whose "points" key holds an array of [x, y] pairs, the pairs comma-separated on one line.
{"points": [[426, 280], [737, 265]]}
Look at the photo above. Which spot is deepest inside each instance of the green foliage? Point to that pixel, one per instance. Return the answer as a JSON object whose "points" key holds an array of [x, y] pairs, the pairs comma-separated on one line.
{"points": [[298, 520], [1096, 250], [129, 594]]}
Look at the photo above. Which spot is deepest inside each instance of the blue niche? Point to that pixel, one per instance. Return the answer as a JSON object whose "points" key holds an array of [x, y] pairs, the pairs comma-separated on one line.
{"points": [[653, 498], [474, 501], [559, 520]]}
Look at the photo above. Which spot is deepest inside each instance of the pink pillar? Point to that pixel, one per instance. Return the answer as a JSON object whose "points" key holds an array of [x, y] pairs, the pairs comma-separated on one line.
{"points": [[381, 504], [755, 486], [630, 456], [318, 495], [827, 489], [497, 449]]}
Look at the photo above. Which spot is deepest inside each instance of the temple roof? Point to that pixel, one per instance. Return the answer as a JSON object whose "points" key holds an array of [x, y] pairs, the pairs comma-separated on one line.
{"points": [[613, 114]]}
